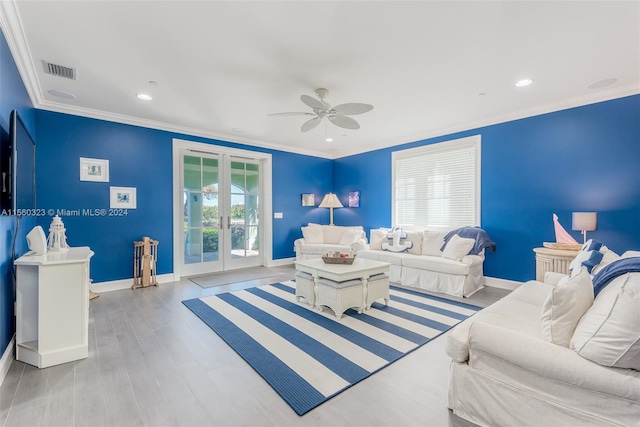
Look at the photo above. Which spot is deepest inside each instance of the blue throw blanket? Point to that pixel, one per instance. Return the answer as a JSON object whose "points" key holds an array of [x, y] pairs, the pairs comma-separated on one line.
{"points": [[476, 233], [613, 270]]}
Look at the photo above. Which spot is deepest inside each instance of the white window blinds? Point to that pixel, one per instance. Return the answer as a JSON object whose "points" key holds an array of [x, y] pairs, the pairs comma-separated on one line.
{"points": [[438, 184]]}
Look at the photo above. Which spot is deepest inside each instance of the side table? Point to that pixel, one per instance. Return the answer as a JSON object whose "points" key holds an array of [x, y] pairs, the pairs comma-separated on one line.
{"points": [[556, 260]]}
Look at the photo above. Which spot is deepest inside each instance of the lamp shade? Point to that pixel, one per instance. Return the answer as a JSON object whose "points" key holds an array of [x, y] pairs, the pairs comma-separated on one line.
{"points": [[330, 201], [584, 221]]}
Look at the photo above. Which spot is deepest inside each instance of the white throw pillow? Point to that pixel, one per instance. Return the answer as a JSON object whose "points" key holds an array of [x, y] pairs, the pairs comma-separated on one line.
{"points": [[457, 247], [609, 333], [416, 238], [332, 234], [378, 237], [350, 237], [565, 305], [312, 234], [432, 242]]}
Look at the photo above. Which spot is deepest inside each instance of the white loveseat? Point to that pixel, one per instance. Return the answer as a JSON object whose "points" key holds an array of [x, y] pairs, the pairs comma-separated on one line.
{"points": [[425, 266], [508, 368], [317, 240]]}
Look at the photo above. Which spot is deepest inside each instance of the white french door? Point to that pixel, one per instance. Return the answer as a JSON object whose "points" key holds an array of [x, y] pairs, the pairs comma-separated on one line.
{"points": [[221, 212]]}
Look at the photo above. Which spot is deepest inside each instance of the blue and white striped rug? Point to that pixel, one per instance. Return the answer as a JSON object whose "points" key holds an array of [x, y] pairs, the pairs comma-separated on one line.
{"points": [[309, 356]]}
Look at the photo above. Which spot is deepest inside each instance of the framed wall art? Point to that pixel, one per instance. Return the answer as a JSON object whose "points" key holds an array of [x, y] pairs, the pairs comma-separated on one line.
{"points": [[94, 170], [122, 198], [354, 199], [308, 200]]}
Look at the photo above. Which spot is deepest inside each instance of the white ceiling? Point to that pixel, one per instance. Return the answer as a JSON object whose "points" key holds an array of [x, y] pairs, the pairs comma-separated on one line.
{"points": [[429, 68]]}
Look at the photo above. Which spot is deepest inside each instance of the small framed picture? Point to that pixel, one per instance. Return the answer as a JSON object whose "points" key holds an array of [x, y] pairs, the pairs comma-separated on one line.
{"points": [[94, 170], [308, 200], [122, 198], [354, 199]]}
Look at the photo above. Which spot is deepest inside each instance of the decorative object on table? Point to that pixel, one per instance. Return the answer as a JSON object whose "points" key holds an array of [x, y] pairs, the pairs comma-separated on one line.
{"points": [[145, 257], [354, 199], [564, 241], [36, 241], [395, 235], [330, 201], [583, 222], [308, 199], [122, 197], [57, 241], [359, 350], [339, 258], [94, 170]]}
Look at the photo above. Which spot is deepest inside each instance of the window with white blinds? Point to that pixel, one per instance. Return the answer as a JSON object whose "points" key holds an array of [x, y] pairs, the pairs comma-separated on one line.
{"points": [[438, 184]]}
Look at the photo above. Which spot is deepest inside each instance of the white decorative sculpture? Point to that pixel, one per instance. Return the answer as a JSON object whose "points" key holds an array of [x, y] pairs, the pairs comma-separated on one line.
{"points": [[57, 241]]}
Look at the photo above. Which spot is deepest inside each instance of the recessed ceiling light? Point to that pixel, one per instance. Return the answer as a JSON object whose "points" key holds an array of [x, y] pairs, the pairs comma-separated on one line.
{"points": [[62, 94], [153, 82], [144, 96], [238, 130], [602, 83], [328, 139], [524, 82]]}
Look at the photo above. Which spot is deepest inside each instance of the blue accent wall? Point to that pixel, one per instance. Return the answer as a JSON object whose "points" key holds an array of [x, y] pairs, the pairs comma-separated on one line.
{"points": [[142, 158], [580, 159], [13, 96]]}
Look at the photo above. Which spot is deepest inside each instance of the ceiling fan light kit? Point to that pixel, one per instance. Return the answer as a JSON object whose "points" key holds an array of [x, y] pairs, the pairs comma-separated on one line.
{"points": [[337, 115]]}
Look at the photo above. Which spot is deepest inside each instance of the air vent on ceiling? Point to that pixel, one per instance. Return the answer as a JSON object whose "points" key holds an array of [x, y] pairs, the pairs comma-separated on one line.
{"points": [[59, 70]]}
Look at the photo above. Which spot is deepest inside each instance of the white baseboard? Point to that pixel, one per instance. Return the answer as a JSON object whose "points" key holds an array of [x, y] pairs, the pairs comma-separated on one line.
{"points": [[495, 282], [116, 285], [280, 262], [7, 358]]}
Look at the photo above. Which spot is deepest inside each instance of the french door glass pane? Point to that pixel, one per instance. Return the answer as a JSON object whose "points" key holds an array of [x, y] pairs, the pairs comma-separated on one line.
{"points": [[193, 246], [211, 244]]}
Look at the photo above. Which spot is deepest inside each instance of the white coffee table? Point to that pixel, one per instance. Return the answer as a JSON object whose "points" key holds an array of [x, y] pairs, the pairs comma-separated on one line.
{"points": [[343, 298]]}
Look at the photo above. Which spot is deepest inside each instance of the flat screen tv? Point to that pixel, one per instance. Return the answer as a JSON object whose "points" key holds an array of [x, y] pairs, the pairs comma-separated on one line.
{"points": [[18, 164]]}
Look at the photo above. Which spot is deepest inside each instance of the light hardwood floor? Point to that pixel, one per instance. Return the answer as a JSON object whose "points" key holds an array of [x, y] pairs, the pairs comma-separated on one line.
{"points": [[152, 362]]}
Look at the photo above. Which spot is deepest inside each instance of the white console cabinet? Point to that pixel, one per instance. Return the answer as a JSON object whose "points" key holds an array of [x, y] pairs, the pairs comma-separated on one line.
{"points": [[52, 307]]}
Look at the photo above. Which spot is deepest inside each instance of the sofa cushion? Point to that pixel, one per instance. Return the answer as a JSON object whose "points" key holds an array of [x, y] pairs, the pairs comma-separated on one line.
{"points": [[416, 238], [378, 237], [609, 332], [519, 312], [333, 233], [350, 237], [312, 234], [321, 249], [564, 307], [436, 264], [457, 247], [390, 257], [432, 242]]}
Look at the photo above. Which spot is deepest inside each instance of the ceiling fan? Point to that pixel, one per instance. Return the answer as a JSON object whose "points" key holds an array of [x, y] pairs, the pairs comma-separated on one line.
{"points": [[321, 109]]}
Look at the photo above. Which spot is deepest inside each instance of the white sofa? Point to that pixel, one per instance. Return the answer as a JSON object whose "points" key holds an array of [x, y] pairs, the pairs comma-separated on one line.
{"points": [[510, 369], [425, 265], [317, 240]]}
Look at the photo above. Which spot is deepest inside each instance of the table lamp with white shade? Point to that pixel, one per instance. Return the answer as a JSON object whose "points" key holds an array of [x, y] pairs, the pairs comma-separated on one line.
{"points": [[330, 201], [584, 221]]}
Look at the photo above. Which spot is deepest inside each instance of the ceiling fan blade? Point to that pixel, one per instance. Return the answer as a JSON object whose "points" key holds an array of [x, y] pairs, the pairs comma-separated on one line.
{"points": [[312, 102], [344, 122], [310, 124], [352, 108], [291, 114]]}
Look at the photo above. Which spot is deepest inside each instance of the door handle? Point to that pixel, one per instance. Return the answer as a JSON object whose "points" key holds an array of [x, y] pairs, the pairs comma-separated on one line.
{"points": [[220, 225], [228, 222]]}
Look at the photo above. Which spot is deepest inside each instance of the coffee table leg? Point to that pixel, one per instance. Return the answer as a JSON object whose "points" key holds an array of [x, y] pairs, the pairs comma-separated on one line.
{"points": [[316, 281], [365, 291]]}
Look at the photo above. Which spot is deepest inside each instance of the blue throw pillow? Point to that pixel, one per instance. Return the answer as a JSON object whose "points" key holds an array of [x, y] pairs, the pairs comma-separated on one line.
{"points": [[587, 259], [591, 245]]}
